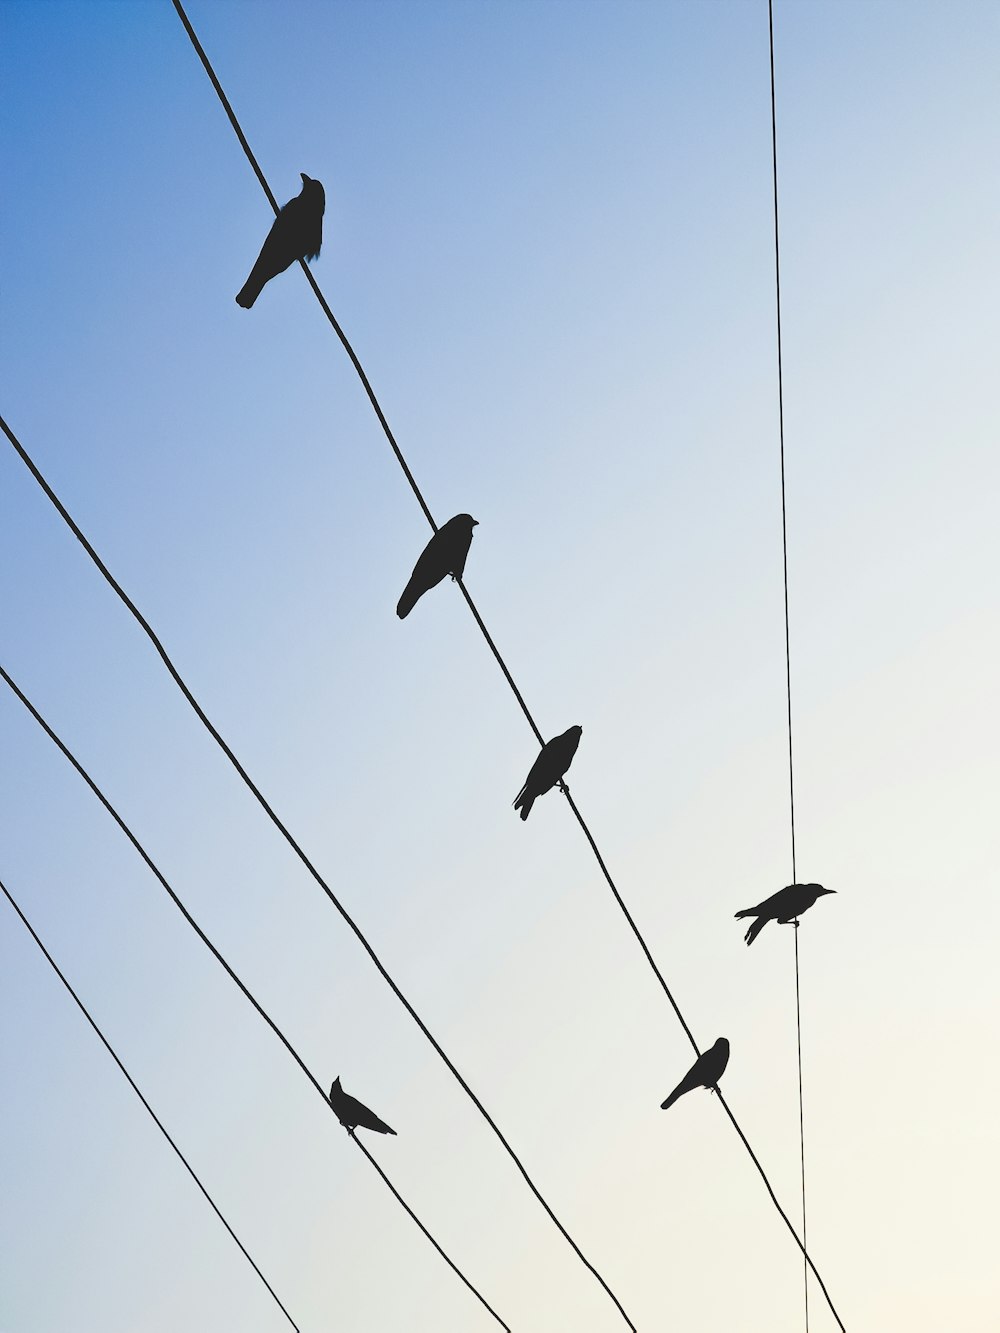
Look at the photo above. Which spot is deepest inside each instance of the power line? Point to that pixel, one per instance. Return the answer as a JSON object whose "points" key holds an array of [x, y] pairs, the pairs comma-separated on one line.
{"points": [[135, 1088], [297, 849], [788, 652], [64, 749], [230, 113]]}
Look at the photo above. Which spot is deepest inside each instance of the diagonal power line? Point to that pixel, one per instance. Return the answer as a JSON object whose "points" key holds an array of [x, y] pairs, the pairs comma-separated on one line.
{"points": [[303, 858], [366, 383], [135, 1088], [219, 958]]}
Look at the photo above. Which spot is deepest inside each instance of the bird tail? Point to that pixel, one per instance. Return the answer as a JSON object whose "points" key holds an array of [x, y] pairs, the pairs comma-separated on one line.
{"points": [[383, 1128], [673, 1097], [248, 293], [409, 599], [252, 288], [524, 802], [755, 926]]}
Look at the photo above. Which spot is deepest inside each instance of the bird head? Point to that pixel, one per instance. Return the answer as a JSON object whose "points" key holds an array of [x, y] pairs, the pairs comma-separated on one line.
{"points": [[313, 189]]}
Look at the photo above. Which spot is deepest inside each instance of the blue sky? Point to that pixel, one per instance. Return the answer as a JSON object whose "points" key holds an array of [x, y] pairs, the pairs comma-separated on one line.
{"points": [[548, 234]]}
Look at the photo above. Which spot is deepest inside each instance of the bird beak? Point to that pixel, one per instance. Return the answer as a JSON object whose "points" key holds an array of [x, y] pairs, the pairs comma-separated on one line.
{"points": [[829, 890], [305, 178], [475, 522]]}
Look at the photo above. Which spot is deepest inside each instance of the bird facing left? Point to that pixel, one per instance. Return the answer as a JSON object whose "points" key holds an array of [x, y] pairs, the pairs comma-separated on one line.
{"points": [[353, 1114]]}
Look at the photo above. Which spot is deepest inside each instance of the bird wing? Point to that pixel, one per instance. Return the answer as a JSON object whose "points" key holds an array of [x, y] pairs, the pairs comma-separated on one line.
{"points": [[458, 553], [430, 569], [538, 780], [366, 1118], [770, 906], [713, 1063]]}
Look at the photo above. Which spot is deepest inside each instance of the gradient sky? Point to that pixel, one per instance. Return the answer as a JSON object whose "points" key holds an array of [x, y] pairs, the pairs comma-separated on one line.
{"points": [[548, 233]]}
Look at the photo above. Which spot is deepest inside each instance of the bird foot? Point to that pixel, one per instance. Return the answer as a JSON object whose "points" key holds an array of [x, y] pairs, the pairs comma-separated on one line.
{"points": [[563, 788]]}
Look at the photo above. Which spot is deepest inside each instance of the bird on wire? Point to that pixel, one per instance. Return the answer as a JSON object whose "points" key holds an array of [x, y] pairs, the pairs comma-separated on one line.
{"points": [[444, 554], [548, 769], [786, 905], [296, 233], [353, 1114], [704, 1073]]}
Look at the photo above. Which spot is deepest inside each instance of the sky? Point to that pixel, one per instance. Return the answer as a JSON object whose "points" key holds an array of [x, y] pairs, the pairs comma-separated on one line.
{"points": [[549, 236]]}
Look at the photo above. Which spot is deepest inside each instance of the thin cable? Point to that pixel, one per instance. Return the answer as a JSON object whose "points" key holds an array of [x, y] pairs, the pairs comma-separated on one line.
{"points": [[227, 107], [784, 1215], [402, 1202], [788, 652], [62, 747], [293, 844], [781, 437], [135, 1088], [802, 1119]]}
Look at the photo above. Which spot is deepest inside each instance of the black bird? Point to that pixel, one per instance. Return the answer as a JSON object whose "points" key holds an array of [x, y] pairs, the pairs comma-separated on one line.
{"points": [[444, 554], [548, 769], [296, 233], [351, 1113], [784, 906], [704, 1073]]}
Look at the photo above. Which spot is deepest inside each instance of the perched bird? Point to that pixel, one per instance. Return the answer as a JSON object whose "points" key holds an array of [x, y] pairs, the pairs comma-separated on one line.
{"points": [[351, 1113], [784, 906], [704, 1073], [444, 554], [548, 769], [296, 233]]}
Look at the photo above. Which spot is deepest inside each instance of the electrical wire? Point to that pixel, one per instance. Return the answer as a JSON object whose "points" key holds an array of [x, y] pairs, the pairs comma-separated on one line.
{"points": [[293, 844], [219, 958], [135, 1088], [230, 113], [788, 652]]}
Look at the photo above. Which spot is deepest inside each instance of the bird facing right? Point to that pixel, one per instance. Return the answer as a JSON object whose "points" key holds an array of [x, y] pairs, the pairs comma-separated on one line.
{"points": [[548, 769], [296, 233], [786, 905], [445, 553], [704, 1073]]}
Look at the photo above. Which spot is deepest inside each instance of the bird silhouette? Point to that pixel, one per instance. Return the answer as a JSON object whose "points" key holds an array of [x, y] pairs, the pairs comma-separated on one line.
{"points": [[704, 1073], [444, 554], [786, 905], [296, 233], [548, 769], [353, 1114]]}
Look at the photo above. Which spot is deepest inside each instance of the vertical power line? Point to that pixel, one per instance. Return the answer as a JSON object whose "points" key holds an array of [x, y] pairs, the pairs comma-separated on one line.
{"points": [[788, 654]]}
